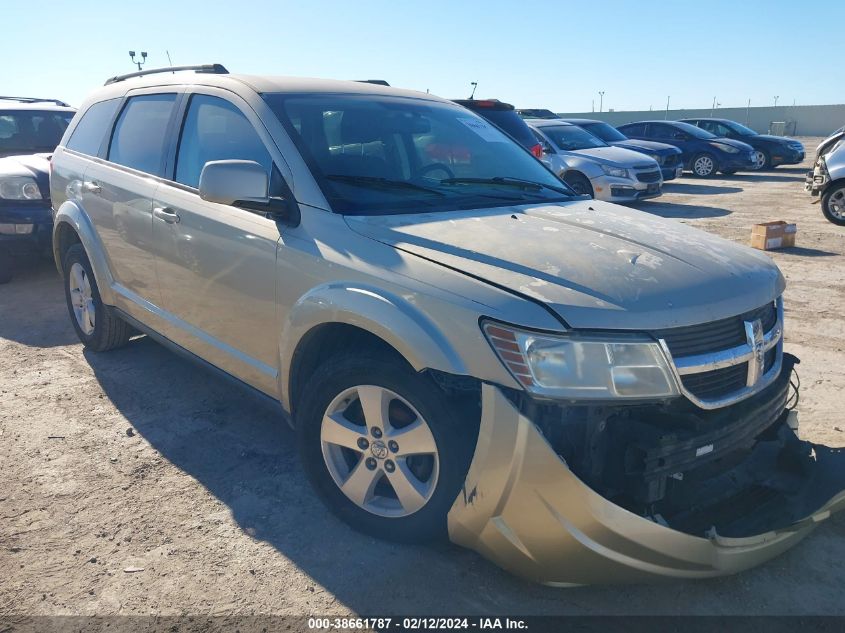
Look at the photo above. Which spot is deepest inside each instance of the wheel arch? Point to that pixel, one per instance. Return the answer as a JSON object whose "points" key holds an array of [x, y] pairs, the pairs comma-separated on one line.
{"points": [[71, 225], [342, 317]]}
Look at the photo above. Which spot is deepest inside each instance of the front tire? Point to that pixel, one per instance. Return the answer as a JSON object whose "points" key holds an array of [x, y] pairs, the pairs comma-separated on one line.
{"points": [[579, 183], [382, 445], [762, 160], [96, 325], [704, 165], [833, 204]]}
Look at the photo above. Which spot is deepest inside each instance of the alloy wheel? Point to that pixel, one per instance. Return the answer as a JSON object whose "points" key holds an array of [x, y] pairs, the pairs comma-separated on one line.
{"points": [[379, 451], [704, 166], [836, 204], [82, 299], [759, 159]]}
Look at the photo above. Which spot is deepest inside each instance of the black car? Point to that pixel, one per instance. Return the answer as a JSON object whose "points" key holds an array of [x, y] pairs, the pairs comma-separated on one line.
{"points": [[30, 129], [703, 153], [667, 156], [536, 113], [504, 116], [770, 151]]}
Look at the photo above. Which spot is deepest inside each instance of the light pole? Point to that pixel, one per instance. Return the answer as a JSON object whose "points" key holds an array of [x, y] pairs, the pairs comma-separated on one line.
{"points": [[748, 113], [666, 116], [776, 100], [136, 62], [601, 100], [474, 85]]}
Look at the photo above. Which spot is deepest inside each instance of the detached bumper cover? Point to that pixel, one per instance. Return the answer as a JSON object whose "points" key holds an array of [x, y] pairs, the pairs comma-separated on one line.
{"points": [[525, 510]]}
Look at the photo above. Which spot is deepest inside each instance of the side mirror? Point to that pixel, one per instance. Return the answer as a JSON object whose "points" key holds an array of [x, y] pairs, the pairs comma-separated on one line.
{"points": [[234, 181]]}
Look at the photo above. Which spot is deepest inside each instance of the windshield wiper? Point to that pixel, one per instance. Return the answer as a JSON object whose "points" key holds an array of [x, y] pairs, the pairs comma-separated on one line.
{"points": [[506, 181], [377, 181]]}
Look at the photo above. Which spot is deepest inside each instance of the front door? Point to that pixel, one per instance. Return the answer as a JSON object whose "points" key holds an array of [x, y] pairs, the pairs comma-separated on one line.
{"points": [[216, 264]]}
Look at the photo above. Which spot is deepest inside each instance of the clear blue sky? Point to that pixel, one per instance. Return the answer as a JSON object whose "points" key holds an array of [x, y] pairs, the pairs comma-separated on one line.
{"points": [[555, 54]]}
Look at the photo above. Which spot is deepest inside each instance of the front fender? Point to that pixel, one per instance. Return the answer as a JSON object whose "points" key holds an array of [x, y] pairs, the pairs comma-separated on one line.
{"points": [[392, 318], [70, 214]]}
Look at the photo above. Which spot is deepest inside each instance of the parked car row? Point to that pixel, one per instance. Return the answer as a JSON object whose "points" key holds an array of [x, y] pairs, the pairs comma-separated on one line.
{"points": [[580, 391]]}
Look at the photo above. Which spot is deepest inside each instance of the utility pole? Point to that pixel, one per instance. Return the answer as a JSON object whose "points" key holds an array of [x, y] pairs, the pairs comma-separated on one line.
{"points": [[593, 106], [666, 116], [601, 100], [136, 62]]}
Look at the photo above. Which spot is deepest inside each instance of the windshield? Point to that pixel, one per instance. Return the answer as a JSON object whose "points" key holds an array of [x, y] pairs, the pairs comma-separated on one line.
{"points": [[604, 131], [31, 131], [571, 137], [740, 129], [692, 130], [379, 155]]}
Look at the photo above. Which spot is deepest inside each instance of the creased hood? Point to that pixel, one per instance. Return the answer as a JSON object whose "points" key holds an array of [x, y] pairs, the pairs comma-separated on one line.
{"points": [[597, 265]]}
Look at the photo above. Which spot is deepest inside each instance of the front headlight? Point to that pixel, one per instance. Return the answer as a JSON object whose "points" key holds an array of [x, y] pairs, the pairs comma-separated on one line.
{"points": [[616, 172], [583, 367], [19, 188], [730, 149]]}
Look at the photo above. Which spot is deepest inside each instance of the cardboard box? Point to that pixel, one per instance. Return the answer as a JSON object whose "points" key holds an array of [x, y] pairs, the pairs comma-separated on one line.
{"points": [[769, 236]]}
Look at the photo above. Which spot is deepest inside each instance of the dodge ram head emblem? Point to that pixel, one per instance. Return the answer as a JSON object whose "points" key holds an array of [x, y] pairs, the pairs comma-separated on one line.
{"points": [[756, 364]]}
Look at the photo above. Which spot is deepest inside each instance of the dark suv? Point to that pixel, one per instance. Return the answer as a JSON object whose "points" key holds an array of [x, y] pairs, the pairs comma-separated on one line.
{"points": [[30, 129], [505, 117]]}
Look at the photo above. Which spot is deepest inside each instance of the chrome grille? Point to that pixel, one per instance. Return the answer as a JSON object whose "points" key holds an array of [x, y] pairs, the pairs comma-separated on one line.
{"points": [[724, 361]]}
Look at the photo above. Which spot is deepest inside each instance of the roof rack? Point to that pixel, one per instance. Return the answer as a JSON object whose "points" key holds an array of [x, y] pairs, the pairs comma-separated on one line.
{"points": [[212, 69], [35, 100]]}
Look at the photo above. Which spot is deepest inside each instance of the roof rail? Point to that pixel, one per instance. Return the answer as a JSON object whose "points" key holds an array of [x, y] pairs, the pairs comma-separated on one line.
{"points": [[35, 100], [213, 69]]}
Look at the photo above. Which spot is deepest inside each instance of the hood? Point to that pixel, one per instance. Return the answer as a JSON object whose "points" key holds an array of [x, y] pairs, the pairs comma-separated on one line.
{"points": [[652, 147], [744, 147], [616, 157], [828, 144], [781, 140], [597, 265]]}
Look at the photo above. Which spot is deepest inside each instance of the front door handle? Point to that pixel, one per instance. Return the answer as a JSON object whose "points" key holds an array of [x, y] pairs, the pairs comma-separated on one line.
{"points": [[167, 214], [91, 187]]}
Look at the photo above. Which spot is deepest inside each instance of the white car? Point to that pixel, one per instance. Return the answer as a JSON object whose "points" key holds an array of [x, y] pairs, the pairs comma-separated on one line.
{"points": [[592, 167]]}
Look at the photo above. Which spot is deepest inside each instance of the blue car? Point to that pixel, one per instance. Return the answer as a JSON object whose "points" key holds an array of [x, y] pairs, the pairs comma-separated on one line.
{"points": [[703, 153], [667, 156]]}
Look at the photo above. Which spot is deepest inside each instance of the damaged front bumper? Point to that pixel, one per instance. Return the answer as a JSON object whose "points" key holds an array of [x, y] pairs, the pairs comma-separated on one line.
{"points": [[526, 510]]}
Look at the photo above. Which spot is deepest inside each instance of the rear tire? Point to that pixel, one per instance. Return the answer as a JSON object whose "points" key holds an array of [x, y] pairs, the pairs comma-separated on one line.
{"points": [[579, 183], [703, 165], [833, 204], [353, 468], [96, 324]]}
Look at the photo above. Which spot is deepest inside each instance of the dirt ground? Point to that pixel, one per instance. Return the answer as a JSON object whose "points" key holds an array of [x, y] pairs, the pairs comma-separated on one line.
{"points": [[138, 459]]}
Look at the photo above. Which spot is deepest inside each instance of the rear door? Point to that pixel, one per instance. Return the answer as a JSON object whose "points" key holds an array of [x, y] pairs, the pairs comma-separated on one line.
{"points": [[118, 195], [216, 263]]}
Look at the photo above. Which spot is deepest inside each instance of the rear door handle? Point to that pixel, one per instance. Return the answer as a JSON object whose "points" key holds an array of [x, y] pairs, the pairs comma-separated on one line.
{"points": [[167, 214], [91, 187]]}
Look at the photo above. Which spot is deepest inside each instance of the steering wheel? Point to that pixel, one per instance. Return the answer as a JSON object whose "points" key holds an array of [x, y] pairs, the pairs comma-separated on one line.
{"points": [[434, 167]]}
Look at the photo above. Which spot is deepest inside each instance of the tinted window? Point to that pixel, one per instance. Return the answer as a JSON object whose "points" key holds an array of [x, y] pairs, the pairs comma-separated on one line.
{"points": [[92, 127], [30, 131], [216, 130], [510, 122], [571, 137], [140, 134], [604, 131], [634, 129]]}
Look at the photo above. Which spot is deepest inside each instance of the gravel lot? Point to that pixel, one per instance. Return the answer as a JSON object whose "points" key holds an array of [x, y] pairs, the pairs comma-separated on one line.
{"points": [[138, 459]]}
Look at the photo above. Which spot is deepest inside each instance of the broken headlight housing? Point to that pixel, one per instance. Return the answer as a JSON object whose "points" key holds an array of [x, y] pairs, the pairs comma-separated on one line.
{"points": [[576, 366]]}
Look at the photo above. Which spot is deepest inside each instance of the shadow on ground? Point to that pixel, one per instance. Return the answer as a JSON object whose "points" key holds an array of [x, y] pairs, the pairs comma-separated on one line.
{"points": [[761, 177], [677, 210], [697, 189]]}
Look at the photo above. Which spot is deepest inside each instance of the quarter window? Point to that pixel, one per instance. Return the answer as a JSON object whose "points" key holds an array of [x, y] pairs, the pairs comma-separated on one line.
{"points": [[216, 130], [89, 133], [140, 135]]}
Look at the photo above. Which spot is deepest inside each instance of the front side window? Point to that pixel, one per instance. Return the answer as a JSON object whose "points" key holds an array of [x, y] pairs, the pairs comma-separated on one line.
{"points": [[378, 155], [31, 131], [140, 134], [93, 127], [570, 138], [216, 130]]}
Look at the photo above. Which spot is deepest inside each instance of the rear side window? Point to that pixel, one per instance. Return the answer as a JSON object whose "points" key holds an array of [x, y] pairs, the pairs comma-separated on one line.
{"points": [[141, 132], [92, 127], [216, 130], [635, 129]]}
